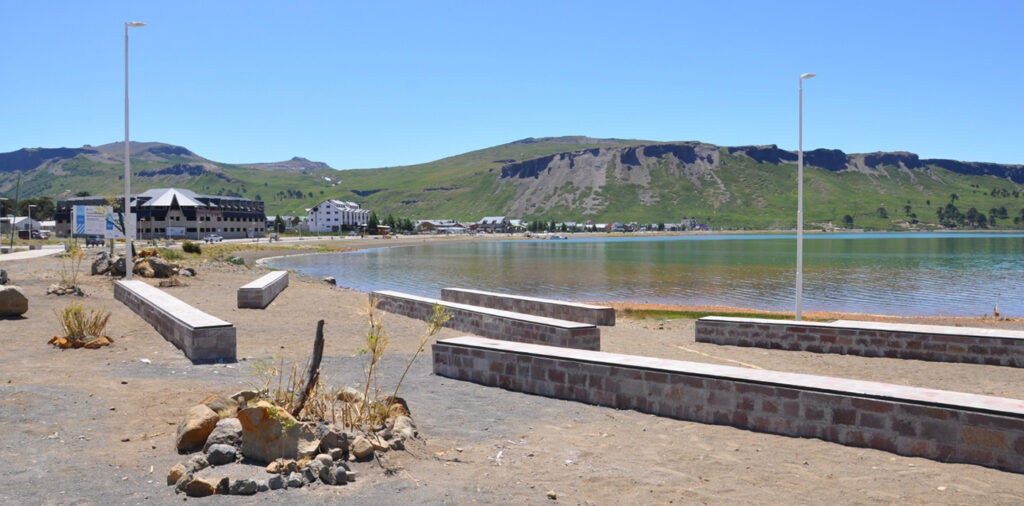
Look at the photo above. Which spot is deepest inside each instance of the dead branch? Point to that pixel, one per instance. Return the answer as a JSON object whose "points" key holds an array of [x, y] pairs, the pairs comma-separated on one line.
{"points": [[313, 373]]}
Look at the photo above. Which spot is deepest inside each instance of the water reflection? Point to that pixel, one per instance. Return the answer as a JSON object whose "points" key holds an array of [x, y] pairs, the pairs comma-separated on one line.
{"points": [[928, 274]]}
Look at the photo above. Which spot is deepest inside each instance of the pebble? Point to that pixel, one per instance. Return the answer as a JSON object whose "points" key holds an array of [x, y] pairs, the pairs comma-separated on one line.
{"points": [[277, 481], [243, 487]]}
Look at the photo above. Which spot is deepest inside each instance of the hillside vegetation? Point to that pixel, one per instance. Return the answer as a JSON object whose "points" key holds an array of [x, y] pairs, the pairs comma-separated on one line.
{"points": [[572, 179]]}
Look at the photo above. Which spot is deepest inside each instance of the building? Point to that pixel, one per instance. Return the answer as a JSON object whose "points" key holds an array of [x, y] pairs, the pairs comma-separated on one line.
{"points": [[335, 216], [439, 226], [493, 224], [179, 213], [20, 223]]}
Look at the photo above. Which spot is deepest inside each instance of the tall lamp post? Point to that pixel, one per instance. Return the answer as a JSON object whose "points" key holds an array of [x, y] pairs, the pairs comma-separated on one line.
{"points": [[129, 222], [800, 206], [11, 224], [30, 206]]}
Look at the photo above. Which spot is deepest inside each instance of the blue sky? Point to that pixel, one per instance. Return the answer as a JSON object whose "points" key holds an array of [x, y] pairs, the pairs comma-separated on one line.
{"points": [[371, 84]]}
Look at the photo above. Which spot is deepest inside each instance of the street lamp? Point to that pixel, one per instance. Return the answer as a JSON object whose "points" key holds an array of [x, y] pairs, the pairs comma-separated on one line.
{"points": [[30, 206], [11, 224], [129, 222], [800, 205]]}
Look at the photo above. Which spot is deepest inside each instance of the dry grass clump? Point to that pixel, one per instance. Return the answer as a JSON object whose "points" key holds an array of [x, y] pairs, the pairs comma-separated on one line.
{"points": [[70, 266], [366, 408], [82, 328]]}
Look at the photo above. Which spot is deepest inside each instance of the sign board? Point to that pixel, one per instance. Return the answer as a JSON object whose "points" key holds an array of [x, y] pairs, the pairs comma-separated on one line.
{"points": [[95, 220], [175, 231]]}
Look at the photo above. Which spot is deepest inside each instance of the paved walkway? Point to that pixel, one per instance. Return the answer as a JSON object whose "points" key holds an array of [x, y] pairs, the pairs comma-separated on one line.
{"points": [[33, 253]]}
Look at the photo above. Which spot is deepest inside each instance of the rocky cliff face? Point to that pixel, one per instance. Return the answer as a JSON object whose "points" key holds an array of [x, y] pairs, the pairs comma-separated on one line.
{"points": [[585, 180]]}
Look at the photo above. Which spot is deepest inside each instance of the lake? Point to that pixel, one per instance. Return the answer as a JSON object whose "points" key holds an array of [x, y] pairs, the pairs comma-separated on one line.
{"points": [[952, 274]]}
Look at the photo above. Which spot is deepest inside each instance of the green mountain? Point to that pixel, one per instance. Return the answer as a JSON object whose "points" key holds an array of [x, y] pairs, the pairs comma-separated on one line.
{"points": [[574, 179]]}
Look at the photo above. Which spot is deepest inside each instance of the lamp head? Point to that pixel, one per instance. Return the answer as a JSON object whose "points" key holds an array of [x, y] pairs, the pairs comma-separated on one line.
{"points": [[807, 75], [135, 23]]}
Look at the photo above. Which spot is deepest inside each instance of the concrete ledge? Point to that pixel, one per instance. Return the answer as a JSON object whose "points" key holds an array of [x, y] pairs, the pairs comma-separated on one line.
{"points": [[202, 337], [262, 291], [869, 339], [494, 323], [563, 310], [934, 424]]}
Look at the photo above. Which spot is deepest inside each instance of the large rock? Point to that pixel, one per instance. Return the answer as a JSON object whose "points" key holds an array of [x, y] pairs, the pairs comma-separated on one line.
{"points": [[117, 268], [195, 428], [264, 437], [361, 448], [3, 277], [332, 437], [244, 487], [223, 406], [198, 487], [13, 301], [403, 426], [176, 473], [227, 432], [101, 264], [161, 268], [219, 455]]}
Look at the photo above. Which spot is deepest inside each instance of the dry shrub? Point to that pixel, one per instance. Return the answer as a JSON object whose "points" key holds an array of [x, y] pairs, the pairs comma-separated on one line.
{"points": [[367, 410], [70, 266], [81, 327]]}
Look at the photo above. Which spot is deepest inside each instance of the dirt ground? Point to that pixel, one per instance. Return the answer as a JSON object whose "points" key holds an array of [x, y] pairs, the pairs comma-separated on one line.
{"points": [[97, 426]]}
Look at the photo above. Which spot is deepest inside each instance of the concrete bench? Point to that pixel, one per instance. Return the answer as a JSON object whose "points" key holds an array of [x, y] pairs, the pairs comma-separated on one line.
{"points": [[869, 339], [202, 337], [934, 424], [494, 323], [560, 309], [260, 292]]}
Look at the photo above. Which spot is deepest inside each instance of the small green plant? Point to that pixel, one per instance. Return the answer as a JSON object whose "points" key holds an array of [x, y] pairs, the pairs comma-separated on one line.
{"points": [[236, 260], [192, 247], [79, 324], [170, 254]]}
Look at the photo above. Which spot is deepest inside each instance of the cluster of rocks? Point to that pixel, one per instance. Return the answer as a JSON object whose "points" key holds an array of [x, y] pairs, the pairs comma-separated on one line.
{"points": [[13, 300], [57, 289], [295, 453], [145, 266]]}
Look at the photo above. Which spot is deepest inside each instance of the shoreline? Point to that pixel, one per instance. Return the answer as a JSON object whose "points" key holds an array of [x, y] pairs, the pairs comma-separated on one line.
{"points": [[257, 256]]}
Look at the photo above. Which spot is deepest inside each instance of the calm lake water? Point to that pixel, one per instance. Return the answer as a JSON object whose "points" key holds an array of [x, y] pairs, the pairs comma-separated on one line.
{"points": [[888, 273]]}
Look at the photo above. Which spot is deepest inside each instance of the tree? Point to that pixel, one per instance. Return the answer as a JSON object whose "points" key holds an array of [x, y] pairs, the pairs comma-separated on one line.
{"points": [[906, 209], [372, 222], [278, 224], [882, 213], [848, 221], [82, 193], [953, 197]]}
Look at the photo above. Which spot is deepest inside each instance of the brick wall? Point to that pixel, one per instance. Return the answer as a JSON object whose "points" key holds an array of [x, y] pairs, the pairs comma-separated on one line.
{"points": [[203, 344], [495, 323], [562, 310], [261, 292], [869, 339], [944, 426]]}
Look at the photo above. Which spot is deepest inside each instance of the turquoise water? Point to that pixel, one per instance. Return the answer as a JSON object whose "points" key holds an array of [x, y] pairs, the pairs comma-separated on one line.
{"points": [[955, 274]]}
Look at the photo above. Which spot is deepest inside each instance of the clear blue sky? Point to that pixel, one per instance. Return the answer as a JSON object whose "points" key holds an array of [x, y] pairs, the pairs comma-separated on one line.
{"points": [[371, 84]]}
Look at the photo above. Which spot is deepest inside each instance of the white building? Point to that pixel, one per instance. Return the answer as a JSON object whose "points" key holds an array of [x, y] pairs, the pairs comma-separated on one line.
{"points": [[336, 215]]}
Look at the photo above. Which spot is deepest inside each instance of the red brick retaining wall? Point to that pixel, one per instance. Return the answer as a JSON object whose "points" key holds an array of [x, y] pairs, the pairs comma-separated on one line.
{"points": [[494, 323], [934, 424], [869, 339], [562, 310]]}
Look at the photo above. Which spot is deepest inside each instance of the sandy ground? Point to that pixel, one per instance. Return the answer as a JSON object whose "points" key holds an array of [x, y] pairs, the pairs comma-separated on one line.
{"points": [[97, 426]]}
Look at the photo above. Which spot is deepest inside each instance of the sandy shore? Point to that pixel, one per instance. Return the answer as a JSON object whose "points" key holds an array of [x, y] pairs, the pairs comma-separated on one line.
{"points": [[86, 426]]}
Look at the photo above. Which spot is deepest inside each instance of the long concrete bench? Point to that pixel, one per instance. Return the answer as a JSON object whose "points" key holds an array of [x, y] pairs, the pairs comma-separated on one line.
{"points": [[202, 337], [560, 309], [494, 323], [260, 292], [934, 424], [869, 339]]}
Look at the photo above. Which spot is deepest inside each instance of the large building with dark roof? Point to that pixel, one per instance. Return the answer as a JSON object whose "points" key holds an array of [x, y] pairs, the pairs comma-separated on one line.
{"points": [[178, 213]]}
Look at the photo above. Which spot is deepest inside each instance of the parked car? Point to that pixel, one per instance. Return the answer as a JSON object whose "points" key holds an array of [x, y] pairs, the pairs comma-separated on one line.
{"points": [[213, 238], [93, 240], [23, 234]]}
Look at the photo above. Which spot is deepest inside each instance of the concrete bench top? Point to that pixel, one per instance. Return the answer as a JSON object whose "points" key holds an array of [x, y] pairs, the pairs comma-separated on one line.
{"points": [[493, 312], [882, 326], [533, 299], [982, 403], [179, 310], [264, 280]]}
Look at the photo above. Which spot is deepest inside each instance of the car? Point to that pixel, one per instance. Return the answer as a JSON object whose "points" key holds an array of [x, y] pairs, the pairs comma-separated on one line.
{"points": [[94, 240], [24, 234], [213, 238]]}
